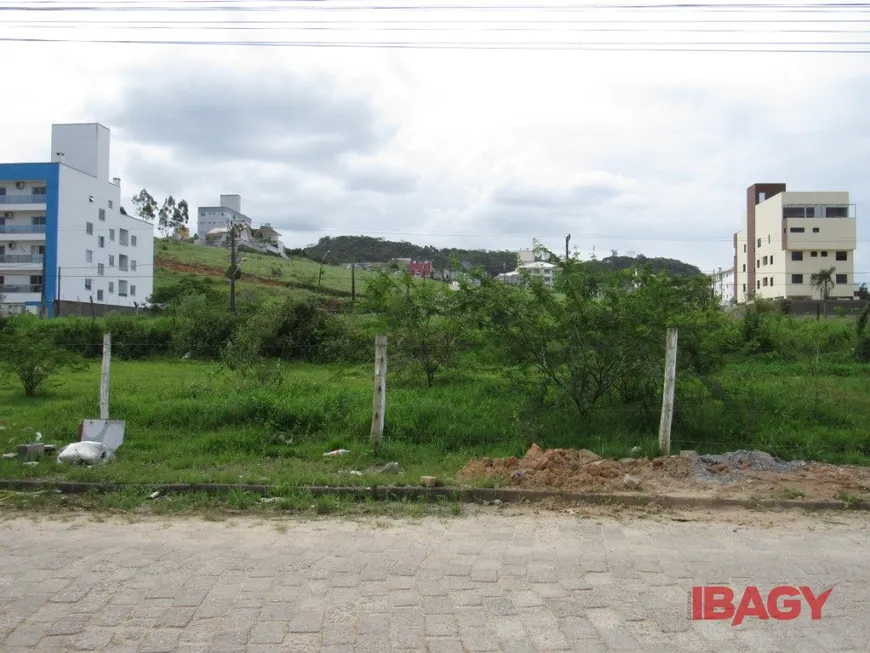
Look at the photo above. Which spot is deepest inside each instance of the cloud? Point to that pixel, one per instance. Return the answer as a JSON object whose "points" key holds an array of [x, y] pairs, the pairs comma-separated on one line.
{"points": [[209, 116]]}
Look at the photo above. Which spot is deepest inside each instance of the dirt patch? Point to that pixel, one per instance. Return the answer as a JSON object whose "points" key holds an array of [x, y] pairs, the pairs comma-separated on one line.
{"points": [[204, 270], [739, 474]]}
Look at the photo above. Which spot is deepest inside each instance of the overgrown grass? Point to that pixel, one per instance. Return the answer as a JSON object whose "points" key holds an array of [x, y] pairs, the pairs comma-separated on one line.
{"points": [[188, 421]]}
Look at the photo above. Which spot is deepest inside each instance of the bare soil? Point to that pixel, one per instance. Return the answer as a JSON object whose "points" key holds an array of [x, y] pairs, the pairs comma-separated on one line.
{"points": [[740, 475], [204, 270]]}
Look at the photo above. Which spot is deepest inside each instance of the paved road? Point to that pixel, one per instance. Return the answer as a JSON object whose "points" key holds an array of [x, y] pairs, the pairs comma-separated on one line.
{"points": [[490, 582]]}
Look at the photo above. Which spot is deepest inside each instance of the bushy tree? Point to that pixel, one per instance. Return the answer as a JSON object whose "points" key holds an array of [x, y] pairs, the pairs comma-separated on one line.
{"points": [[598, 337], [423, 319], [34, 359]]}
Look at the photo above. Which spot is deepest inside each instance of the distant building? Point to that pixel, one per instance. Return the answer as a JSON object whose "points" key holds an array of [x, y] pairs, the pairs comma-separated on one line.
{"points": [[787, 237], [537, 269], [213, 223], [66, 246], [422, 269], [722, 285]]}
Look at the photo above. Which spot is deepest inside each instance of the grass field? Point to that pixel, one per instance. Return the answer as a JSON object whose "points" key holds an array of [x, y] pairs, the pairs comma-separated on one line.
{"points": [[189, 422], [269, 273]]}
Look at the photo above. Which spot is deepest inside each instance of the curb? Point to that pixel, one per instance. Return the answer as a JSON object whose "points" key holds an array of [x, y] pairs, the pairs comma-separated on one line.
{"points": [[386, 493]]}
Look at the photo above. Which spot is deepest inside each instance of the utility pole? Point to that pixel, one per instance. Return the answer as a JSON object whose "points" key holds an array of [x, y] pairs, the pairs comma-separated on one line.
{"points": [[42, 296], [234, 267], [320, 276], [353, 280], [567, 240]]}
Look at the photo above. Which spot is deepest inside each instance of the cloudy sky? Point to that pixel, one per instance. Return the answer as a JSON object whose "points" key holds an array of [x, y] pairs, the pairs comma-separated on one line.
{"points": [[489, 147]]}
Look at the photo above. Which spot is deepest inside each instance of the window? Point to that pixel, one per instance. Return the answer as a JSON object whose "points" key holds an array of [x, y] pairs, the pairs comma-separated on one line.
{"points": [[744, 267], [37, 220], [89, 256], [842, 256], [814, 254], [101, 214], [758, 285], [793, 212], [111, 260], [132, 291], [797, 256], [37, 249], [771, 260], [101, 242], [824, 254], [811, 211], [89, 228], [764, 261], [759, 242], [36, 280], [133, 241], [757, 264], [111, 287], [39, 190], [744, 287], [764, 280], [744, 248], [124, 237], [815, 230], [796, 230], [768, 240], [101, 269], [2, 190], [797, 278], [133, 265], [111, 204], [122, 288], [88, 283], [836, 211], [841, 278], [99, 295], [111, 234]]}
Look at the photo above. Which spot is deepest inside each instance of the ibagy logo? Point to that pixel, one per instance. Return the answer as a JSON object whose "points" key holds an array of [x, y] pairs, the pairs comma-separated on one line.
{"points": [[783, 603]]}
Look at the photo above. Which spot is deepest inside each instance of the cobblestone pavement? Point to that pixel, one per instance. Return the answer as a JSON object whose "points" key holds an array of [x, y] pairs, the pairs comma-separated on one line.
{"points": [[489, 582]]}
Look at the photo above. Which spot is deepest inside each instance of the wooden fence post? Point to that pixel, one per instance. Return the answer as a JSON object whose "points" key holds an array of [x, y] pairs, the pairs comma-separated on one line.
{"points": [[104, 377], [379, 404], [668, 394]]}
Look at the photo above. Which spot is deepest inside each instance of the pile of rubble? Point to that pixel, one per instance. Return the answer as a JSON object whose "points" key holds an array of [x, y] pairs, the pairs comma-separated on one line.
{"points": [[740, 474]]}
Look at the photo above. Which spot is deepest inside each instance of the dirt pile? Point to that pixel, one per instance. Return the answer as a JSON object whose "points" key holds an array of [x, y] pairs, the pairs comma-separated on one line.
{"points": [[740, 474]]}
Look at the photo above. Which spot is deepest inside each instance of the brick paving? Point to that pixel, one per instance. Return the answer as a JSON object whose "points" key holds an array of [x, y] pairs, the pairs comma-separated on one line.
{"points": [[490, 582]]}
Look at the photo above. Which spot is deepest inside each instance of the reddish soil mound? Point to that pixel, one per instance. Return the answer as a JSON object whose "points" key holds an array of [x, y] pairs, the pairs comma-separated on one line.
{"points": [[750, 475], [204, 270]]}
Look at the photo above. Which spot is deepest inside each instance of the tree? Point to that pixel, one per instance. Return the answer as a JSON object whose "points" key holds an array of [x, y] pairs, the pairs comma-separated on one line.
{"points": [[145, 205], [823, 281], [172, 215], [598, 336], [34, 360], [423, 319]]}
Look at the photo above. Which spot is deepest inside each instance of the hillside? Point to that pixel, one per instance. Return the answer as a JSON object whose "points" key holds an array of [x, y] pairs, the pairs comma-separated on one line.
{"points": [[176, 263], [345, 249], [658, 264]]}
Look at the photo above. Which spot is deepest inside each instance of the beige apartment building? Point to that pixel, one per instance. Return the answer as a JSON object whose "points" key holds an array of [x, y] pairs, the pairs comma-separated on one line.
{"points": [[787, 236]]}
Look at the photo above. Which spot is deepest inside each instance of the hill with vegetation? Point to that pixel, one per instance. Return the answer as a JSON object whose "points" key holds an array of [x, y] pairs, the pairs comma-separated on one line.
{"points": [[346, 249], [656, 264]]}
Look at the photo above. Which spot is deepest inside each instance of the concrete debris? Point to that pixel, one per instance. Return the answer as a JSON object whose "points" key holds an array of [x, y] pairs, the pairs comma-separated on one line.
{"points": [[84, 453], [154, 495], [631, 482], [427, 481], [270, 499], [726, 467], [337, 452]]}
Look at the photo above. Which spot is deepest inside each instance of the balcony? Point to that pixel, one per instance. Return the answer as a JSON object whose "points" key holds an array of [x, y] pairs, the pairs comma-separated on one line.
{"points": [[22, 199], [21, 228], [27, 288], [11, 259]]}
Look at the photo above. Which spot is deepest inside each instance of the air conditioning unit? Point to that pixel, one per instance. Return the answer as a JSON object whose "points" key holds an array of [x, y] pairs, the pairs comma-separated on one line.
{"points": [[12, 245], [9, 214], [20, 184]]}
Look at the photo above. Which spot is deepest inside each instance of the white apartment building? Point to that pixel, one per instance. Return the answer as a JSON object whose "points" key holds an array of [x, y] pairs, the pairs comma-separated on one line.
{"points": [[213, 223], [722, 285], [788, 236], [63, 238], [536, 269]]}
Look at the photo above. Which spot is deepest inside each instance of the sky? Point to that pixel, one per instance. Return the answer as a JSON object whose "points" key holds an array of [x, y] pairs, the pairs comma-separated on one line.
{"points": [[636, 151]]}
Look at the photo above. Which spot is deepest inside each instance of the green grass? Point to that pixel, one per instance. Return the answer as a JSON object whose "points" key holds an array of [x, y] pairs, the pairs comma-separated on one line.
{"points": [[189, 422], [297, 273]]}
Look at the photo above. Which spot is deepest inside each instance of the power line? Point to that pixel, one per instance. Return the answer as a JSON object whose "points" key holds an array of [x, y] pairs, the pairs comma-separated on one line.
{"points": [[799, 47]]}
